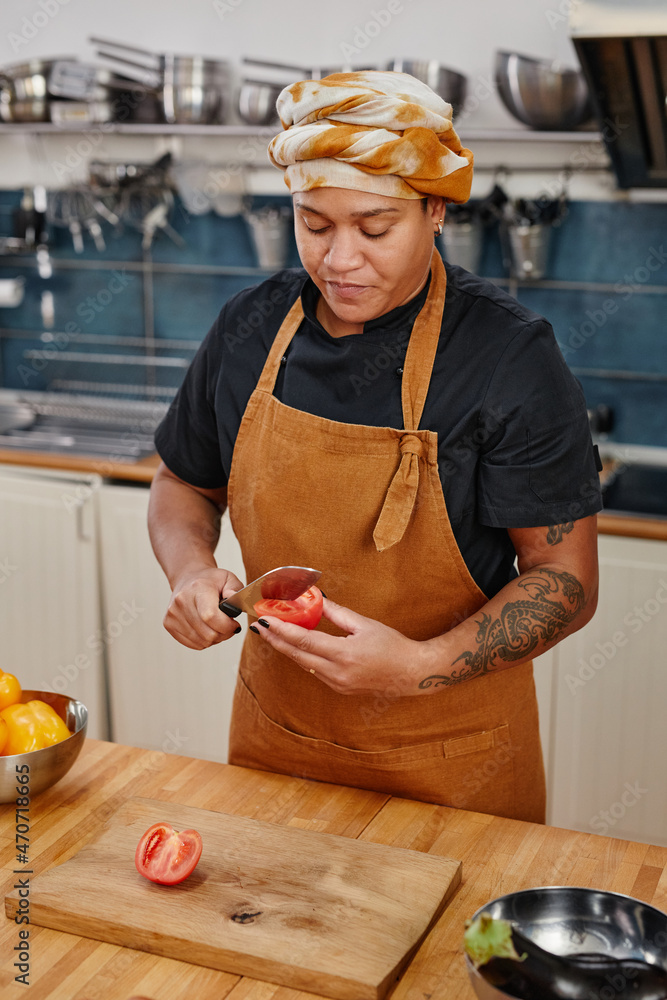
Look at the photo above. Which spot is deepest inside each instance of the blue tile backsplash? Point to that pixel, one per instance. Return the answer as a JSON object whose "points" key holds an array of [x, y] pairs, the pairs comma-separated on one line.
{"points": [[605, 293]]}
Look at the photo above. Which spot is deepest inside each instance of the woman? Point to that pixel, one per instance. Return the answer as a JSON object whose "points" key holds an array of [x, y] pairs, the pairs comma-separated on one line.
{"points": [[408, 429]]}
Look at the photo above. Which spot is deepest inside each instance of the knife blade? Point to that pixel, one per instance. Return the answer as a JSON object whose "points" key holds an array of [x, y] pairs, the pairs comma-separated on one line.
{"points": [[285, 583]]}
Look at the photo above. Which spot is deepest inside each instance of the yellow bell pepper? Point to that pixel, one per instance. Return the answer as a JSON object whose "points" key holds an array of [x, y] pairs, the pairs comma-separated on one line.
{"points": [[32, 726], [10, 690], [53, 728]]}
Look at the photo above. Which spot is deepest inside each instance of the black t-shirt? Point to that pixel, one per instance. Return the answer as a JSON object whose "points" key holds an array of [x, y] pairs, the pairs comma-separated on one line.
{"points": [[514, 446]]}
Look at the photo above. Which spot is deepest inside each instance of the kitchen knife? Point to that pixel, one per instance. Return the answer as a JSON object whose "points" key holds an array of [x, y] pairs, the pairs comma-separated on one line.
{"points": [[285, 583]]}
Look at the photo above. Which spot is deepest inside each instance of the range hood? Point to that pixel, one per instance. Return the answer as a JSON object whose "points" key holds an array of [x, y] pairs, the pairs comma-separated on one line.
{"points": [[622, 47]]}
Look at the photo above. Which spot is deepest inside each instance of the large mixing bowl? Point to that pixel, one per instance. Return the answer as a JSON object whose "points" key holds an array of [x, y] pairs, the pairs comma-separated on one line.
{"points": [[541, 95], [49, 765], [565, 920]]}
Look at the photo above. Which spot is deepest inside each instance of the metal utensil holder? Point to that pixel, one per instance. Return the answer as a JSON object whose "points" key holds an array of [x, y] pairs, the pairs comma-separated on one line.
{"points": [[527, 249], [270, 230], [461, 243]]}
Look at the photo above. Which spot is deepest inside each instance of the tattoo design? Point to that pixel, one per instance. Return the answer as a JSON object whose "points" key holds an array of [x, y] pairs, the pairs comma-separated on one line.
{"points": [[553, 601], [555, 532]]}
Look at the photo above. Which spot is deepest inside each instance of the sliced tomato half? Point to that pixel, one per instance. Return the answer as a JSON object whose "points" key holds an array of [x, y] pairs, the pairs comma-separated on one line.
{"points": [[306, 610], [166, 856]]}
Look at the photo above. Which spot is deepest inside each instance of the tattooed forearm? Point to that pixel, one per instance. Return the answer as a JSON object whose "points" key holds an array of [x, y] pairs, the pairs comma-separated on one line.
{"points": [[553, 600], [555, 532]]}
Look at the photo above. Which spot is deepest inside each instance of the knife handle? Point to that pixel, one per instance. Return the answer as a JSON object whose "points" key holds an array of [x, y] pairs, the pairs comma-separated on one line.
{"points": [[229, 609]]}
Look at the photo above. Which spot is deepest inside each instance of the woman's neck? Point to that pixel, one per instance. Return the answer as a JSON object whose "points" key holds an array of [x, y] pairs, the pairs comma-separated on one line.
{"points": [[337, 327], [334, 325]]}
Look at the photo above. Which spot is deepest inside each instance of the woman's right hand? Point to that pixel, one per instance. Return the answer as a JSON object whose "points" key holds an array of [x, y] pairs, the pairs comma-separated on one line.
{"points": [[193, 616]]}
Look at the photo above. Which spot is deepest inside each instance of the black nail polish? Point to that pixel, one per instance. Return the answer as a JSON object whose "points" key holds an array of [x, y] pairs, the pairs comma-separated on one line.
{"points": [[237, 630], [262, 622], [322, 593], [253, 629]]}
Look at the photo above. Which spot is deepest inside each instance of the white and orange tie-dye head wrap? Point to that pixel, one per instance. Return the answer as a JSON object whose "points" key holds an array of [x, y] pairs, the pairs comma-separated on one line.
{"points": [[387, 133]]}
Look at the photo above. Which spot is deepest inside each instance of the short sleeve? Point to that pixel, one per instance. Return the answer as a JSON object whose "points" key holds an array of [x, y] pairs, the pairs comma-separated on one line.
{"points": [[538, 463], [187, 439]]}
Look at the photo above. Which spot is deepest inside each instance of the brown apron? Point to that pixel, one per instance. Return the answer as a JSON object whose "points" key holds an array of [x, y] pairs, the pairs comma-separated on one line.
{"points": [[365, 505]]}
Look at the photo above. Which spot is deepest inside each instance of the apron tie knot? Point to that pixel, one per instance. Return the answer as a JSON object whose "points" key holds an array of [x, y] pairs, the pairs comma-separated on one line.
{"points": [[401, 495], [410, 444]]}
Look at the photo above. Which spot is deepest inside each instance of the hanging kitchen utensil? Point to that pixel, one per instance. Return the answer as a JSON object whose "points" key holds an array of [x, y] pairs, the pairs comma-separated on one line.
{"points": [[28, 222], [490, 208], [75, 208], [87, 212], [146, 202]]}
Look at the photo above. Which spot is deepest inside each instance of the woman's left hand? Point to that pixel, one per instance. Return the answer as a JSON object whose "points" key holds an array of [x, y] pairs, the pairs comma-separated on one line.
{"points": [[370, 658]]}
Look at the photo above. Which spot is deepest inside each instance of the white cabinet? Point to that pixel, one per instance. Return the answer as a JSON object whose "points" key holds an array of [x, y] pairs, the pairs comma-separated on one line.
{"points": [[607, 736], [162, 695], [50, 625]]}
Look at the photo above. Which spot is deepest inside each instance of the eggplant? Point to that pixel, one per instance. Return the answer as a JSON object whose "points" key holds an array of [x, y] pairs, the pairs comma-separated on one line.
{"points": [[512, 962]]}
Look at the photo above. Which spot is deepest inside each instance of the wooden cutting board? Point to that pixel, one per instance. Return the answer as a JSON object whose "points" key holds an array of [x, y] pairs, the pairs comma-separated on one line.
{"points": [[308, 910]]}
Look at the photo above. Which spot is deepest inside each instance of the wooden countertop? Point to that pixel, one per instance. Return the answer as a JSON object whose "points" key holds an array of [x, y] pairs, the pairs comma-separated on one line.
{"points": [[141, 471], [498, 856], [630, 525]]}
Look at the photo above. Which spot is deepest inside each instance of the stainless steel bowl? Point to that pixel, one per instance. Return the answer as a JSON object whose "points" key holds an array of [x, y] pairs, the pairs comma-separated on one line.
{"points": [[194, 90], [256, 103], [49, 765], [567, 920], [447, 83], [541, 95]]}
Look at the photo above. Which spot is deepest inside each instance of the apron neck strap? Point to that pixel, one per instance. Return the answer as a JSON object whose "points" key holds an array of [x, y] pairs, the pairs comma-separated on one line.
{"points": [[418, 359], [423, 344], [290, 325]]}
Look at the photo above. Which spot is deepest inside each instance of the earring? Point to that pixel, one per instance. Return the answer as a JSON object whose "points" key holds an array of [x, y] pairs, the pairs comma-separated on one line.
{"points": [[439, 229]]}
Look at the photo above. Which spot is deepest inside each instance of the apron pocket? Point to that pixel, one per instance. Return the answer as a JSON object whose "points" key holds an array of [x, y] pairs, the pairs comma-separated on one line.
{"points": [[474, 771]]}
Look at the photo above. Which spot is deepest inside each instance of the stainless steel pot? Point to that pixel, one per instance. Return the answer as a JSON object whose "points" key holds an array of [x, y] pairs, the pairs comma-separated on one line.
{"points": [[29, 81], [109, 96], [22, 111], [24, 91], [192, 89], [447, 83]]}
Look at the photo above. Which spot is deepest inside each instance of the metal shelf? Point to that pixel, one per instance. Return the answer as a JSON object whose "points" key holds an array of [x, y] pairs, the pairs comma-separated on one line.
{"points": [[132, 128], [527, 135]]}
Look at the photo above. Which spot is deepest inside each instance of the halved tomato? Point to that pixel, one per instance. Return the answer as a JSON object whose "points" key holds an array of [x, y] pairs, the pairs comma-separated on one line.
{"points": [[166, 856], [306, 610]]}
